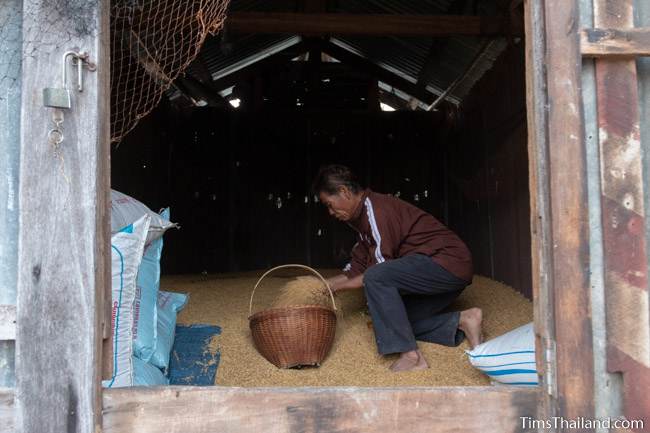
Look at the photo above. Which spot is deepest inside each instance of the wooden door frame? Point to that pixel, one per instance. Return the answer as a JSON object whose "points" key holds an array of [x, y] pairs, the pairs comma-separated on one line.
{"points": [[366, 410], [560, 216], [64, 224], [560, 249]]}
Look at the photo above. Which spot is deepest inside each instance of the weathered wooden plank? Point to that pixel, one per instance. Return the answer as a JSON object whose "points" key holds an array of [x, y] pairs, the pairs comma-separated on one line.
{"points": [[7, 410], [623, 211], [540, 217], [63, 258], [615, 42], [7, 322], [569, 273], [315, 24], [239, 410]]}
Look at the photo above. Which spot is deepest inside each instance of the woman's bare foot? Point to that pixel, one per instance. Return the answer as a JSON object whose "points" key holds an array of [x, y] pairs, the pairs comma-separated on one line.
{"points": [[410, 361], [470, 324]]}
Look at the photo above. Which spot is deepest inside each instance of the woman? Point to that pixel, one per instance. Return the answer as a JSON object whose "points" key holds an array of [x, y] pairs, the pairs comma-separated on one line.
{"points": [[410, 265]]}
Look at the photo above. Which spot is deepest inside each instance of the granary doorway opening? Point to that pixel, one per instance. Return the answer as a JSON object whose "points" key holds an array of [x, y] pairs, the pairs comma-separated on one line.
{"points": [[434, 117]]}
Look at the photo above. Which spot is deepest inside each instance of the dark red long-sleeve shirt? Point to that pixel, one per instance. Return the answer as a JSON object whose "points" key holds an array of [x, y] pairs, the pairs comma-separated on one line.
{"points": [[390, 228]]}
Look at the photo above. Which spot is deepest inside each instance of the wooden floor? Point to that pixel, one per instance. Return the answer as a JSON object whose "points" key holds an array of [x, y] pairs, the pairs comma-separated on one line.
{"points": [[223, 300]]}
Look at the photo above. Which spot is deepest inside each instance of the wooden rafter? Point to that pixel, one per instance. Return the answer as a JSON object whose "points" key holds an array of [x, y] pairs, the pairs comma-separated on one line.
{"points": [[198, 83], [197, 90]]}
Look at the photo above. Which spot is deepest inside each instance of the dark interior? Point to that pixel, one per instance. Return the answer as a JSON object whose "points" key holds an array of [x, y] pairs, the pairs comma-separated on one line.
{"points": [[238, 179]]}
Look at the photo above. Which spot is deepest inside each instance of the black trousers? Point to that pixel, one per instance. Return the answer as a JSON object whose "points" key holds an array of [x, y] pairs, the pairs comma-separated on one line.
{"points": [[405, 298]]}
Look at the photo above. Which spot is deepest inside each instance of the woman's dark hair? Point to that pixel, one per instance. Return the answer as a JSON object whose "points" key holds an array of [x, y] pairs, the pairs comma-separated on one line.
{"points": [[332, 177]]}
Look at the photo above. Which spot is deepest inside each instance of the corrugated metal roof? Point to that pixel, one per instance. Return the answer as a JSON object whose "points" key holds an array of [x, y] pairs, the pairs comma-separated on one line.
{"points": [[406, 57], [224, 56], [489, 56]]}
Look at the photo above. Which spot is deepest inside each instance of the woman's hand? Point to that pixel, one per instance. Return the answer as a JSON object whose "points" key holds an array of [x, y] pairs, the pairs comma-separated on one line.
{"points": [[336, 280], [341, 282]]}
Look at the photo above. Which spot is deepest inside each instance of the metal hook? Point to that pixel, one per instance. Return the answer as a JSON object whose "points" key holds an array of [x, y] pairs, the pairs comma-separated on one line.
{"points": [[64, 71], [82, 59]]}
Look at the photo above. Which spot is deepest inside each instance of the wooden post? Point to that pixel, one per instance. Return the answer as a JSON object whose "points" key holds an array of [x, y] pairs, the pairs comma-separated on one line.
{"points": [[64, 235], [568, 211], [540, 216]]}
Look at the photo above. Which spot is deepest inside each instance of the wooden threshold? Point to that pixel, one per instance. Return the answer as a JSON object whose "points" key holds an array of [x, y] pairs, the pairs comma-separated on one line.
{"points": [[238, 410]]}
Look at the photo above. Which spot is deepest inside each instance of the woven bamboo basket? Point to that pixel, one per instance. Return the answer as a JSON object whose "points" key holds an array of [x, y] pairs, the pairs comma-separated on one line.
{"points": [[293, 336]]}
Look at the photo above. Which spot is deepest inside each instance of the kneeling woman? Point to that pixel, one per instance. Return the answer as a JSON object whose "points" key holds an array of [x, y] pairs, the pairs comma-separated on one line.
{"points": [[410, 265]]}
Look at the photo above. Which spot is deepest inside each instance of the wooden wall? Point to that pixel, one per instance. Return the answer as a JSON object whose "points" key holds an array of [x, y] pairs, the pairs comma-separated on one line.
{"points": [[487, 158], [238, 182]]}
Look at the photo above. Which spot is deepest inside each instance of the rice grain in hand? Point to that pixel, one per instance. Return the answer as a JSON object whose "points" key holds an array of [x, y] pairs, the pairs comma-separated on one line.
{"points": [[303, 290]]}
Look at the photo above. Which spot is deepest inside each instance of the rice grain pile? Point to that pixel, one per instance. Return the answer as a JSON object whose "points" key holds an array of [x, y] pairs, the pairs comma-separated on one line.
{"points": [[353, 361], [303, 290]]}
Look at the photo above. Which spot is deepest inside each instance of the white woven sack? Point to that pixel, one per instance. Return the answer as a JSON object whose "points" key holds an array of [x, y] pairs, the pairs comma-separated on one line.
{"points": [[509, 358], [125, 210], [127, 247]]}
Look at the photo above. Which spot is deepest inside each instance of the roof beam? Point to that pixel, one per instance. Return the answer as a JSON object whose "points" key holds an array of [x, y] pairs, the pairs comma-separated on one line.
{"points": [[201, 70], [317, 24], [197, 90], [198, 81]]}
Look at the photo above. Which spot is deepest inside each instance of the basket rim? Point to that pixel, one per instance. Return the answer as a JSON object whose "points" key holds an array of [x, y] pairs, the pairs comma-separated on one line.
{"points": [[291, 265], [268, 311]]}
